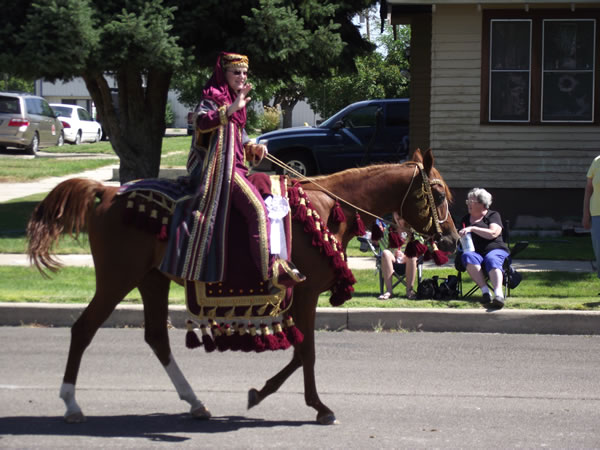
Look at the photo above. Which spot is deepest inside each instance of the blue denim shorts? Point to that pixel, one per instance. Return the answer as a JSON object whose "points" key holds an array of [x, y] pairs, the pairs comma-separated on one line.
{"points": [[493, 260]]}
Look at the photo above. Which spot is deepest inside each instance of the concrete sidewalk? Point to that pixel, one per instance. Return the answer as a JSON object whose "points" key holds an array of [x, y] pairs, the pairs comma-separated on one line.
{"points": [[10, 191], [355, 263]]}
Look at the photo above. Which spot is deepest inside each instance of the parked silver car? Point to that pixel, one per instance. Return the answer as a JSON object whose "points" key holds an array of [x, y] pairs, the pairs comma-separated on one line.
{"points": [[27, 121]]}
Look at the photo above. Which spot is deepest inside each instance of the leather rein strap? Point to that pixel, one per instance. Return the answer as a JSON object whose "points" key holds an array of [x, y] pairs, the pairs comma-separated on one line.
{"points": [[424, 177]]}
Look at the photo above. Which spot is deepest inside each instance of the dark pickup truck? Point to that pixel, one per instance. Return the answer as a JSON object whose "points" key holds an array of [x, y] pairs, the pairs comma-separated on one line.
{"points": [[360, 134]]}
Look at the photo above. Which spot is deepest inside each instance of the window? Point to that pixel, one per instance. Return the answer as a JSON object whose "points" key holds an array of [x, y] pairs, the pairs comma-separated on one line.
{"points": [[540, 67], [362, 117], [83, 114], [397, 115]]}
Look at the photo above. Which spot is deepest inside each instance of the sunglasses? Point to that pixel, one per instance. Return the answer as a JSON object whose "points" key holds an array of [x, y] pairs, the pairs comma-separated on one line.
{"points": [[239, 72]]}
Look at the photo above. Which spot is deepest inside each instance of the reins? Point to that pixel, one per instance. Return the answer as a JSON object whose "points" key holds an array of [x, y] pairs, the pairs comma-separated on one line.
{"points": [[283, 165], [426, 183]]}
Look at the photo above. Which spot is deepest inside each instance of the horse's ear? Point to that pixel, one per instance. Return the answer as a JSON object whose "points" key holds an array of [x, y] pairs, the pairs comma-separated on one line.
{"points": [[417, 156], [428, 161]]}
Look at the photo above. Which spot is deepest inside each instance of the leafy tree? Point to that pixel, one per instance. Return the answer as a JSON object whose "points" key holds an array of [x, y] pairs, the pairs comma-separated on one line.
{"points": [[11, 83], [142, 43], [382, 74]]}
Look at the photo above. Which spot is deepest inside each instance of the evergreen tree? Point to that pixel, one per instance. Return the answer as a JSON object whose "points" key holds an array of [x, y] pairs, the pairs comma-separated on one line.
{"points": [[142, 43]]}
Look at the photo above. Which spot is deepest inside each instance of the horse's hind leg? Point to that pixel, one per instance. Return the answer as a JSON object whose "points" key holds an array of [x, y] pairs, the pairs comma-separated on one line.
{"points": [[155, 295], [106, 298]]}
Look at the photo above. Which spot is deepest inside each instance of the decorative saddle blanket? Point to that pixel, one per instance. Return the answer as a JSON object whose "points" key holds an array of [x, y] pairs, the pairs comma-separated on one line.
{"points": [[243, 294]]}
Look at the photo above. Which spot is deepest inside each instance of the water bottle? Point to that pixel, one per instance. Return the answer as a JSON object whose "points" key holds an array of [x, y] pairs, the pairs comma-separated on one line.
{"points": [[466, 242]]}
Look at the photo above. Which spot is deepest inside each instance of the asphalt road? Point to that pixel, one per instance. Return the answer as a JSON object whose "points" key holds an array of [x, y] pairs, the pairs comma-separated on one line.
{"points": [[389, 390]]}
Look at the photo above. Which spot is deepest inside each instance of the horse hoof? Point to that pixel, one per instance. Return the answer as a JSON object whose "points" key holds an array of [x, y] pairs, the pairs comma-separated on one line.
{"points": [[253, 398], [76, 417], [327, 419], [200, 413]]}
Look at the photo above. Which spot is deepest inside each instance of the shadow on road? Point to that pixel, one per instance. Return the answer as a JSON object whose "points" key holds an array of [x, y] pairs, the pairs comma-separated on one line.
{"points": [[155, 427]]}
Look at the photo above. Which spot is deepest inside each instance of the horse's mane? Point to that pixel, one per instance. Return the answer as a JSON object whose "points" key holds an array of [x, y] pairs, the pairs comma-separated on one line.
{"points": [[370, 170]]}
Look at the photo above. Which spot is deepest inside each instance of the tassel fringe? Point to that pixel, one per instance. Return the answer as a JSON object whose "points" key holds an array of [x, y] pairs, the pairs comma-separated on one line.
{"points": [[241, 337]]}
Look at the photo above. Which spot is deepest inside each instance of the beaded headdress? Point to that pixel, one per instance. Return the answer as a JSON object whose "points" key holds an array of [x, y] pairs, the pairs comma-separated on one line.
{"points": [[234, 61]]}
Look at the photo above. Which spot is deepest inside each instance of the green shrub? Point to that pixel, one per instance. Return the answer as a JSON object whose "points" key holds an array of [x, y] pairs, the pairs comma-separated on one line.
{"points": [[270, 119], [169, 116]]}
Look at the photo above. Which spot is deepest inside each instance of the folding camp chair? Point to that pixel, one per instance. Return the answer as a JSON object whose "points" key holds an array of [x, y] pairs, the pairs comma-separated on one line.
{"points": [[510, 278], [399, 275]]}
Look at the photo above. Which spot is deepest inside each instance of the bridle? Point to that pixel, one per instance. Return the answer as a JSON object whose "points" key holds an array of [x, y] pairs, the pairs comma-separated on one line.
{"points": [[424, 199], [428, 200]]}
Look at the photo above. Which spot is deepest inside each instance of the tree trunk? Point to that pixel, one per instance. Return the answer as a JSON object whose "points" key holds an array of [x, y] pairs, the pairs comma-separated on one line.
{"points": [[287, 106], [136, 125]]}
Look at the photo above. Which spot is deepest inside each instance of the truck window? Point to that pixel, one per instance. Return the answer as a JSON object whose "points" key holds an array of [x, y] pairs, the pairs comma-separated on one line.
{"points": [[397, 115], [362, 117]]}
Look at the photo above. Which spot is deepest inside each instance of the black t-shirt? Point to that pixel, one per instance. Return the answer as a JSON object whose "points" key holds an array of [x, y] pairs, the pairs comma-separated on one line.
{"points": [[483, 245]]}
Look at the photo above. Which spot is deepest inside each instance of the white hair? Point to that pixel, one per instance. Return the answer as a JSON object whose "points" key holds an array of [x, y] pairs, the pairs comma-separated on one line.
{"points": [[481, 195]]}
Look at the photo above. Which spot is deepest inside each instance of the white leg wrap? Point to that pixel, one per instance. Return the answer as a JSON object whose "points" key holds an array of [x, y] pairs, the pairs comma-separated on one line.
{"points": [[67, 393], [178, 379], [185, 391]]}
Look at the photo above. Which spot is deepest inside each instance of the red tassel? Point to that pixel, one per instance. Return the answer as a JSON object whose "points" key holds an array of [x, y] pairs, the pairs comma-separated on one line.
{"points": [[247, 339], [191, 339], [300, 211], [293, 196], [229, 337], [237, 340], [359, 226], [327, 247], [294, 335], [207, 341], [257, 343], [337, 214], [270, 341], [414, 249], [282, 340], [376, 232], [219, 337], [395, 239], [440, 257]]}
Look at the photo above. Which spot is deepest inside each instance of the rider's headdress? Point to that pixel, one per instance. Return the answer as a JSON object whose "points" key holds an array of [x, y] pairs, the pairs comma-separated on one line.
{"points": [[234, 61]]}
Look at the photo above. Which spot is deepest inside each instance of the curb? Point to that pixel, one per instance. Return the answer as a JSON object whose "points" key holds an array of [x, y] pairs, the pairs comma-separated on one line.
{"points": [[336, 319]]}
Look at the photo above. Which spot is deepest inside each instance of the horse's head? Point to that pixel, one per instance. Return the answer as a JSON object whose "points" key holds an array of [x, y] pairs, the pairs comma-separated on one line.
{"points": [[431, 198]]}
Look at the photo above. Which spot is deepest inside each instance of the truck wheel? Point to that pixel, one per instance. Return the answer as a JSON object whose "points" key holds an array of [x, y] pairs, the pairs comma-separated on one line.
{"points": [[299, 162]]}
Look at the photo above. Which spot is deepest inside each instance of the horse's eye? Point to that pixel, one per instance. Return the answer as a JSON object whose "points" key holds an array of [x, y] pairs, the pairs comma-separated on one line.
{"points": [[439, 197]]}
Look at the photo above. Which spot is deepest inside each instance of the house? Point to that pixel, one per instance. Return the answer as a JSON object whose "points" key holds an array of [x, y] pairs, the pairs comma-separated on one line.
{"points": [[507, 95], [75, 92]]}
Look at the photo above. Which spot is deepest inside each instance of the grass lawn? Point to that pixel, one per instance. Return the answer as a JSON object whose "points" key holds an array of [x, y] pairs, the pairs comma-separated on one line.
{"points": [[542, 290], [539, 290]]}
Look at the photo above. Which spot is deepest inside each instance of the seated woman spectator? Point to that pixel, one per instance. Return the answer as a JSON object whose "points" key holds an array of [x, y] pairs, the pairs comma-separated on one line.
{"points": [[485, 227], [390, 262]]}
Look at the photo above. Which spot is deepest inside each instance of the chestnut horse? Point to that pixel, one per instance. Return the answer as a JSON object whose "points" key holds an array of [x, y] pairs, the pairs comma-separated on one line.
{"points": [[126, 258]]}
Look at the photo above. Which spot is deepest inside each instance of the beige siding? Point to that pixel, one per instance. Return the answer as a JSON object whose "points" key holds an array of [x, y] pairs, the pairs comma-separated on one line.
{"points": [[494, 156]]}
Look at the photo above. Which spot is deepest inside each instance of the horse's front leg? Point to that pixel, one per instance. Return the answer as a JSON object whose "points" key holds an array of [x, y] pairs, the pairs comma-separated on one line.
{"points": [[306, 323], [273, 384], [155, 293]]}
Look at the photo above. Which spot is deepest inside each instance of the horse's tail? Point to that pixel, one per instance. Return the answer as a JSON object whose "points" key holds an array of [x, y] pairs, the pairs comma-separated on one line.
{"points": [[64, 210]]}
